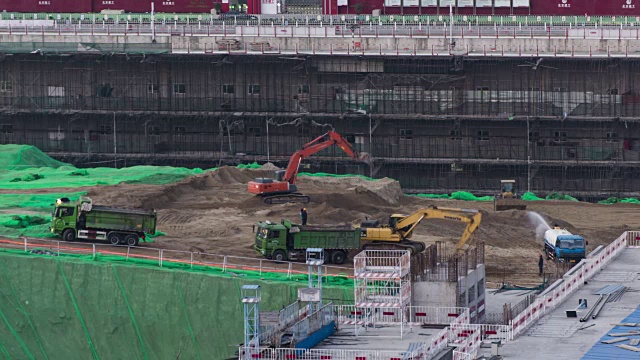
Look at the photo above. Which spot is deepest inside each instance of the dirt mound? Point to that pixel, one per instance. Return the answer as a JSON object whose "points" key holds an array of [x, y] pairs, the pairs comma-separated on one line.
{"points": [[327, 214], [387, 190], [269, 166]]}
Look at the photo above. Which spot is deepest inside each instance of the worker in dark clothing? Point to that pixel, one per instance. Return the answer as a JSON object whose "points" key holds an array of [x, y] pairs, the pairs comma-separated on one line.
{"points": [[541, 264], [303, 216]]}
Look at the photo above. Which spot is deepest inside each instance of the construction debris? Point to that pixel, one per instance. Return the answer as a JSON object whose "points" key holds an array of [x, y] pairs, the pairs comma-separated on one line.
{"points": [[612, 341], [615, 292], [586, 327], [630, 333], [627, 347]]}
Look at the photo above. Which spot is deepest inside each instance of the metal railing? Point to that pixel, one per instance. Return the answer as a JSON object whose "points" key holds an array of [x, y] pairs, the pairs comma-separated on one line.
{"points": [[162, 257], [194, 18], [283, 353], [415, 315], [314, 322], [232, 29]]}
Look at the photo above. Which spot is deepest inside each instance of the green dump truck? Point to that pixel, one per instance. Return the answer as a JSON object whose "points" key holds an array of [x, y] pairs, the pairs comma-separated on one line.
{"points": [[288, 241], [84, 220]]}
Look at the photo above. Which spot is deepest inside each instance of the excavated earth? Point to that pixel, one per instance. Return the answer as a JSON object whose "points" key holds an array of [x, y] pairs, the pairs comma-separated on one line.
{"points": [[214, 213]]}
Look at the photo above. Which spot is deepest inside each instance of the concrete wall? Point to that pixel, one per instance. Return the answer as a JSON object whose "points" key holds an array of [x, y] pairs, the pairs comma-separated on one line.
{"points": [[471, 292], [441, 294]]}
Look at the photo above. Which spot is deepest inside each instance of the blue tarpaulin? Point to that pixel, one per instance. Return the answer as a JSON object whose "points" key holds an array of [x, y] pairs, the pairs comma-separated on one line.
{"points": [[602, 351]]}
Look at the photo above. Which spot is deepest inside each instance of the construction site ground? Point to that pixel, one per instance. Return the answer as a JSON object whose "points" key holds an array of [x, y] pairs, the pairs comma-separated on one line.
{"points": [[213, 213]]}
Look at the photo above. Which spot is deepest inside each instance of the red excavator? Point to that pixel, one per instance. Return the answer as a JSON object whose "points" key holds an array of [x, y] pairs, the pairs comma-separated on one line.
{"points": [[283, 189]]}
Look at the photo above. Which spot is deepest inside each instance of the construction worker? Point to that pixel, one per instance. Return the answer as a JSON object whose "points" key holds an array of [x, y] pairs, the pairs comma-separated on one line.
{"points": [[541, 264], [303, 216]]}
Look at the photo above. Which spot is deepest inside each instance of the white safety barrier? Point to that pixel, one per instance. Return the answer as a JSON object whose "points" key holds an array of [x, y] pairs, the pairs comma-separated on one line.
{"points": [[328, 354], [633, 238], [457, 355], [417, 315]]}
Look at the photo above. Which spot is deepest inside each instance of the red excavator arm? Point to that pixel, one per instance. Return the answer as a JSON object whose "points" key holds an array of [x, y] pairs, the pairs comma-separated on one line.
{"points": [[316, 145]]}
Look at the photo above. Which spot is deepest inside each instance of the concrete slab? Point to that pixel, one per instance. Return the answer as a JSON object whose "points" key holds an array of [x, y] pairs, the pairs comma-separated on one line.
{"points": [[382, 338], [496, 299], [559, 337]]}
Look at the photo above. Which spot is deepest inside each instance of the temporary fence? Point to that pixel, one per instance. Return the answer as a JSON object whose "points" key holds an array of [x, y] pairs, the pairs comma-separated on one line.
{"points": [[416, 315], [180, 259], [633, 238], [329, 354]]}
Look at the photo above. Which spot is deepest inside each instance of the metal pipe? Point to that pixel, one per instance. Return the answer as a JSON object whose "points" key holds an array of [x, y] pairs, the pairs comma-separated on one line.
{"points": [[588, 314], [596, 312]]}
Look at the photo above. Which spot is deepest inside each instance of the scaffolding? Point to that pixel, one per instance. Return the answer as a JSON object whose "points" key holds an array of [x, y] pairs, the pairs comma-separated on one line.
{"points": [[436, 125], [251, 307], [382, 287]]}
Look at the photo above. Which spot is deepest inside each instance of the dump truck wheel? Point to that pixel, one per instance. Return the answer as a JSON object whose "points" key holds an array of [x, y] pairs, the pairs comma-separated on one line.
{"points": [[131, 240], [114, 238], [279, 255], [338, 257], [69, 235]]}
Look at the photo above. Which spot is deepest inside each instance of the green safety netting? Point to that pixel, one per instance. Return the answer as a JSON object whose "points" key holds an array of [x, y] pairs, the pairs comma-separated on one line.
{"points": [[559, 196], [615, 200], [13, 226], [323, 174], [26, 167], [458, 195], [529, 196], [40, 202], [253, 165], [17, 157], [80, 307]]}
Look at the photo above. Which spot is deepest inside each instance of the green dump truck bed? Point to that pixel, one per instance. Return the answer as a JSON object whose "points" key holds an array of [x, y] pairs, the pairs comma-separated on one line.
{"points": [[288, 241], [325, 237], [105, 217]]}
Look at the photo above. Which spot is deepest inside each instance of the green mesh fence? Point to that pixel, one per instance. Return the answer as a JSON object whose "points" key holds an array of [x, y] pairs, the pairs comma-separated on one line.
{"points": [[61, 307]]}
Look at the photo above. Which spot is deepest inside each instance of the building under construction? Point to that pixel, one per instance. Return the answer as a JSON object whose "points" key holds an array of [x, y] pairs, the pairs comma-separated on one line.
{"points": [[437, 124]]}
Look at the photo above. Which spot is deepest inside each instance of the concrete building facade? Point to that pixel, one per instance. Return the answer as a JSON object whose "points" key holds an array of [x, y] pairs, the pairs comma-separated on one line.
{"points": [[436, 124]]}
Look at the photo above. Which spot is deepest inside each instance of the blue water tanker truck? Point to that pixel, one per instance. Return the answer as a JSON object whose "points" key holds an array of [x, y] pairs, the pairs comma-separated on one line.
{"points": [[560, 244]]}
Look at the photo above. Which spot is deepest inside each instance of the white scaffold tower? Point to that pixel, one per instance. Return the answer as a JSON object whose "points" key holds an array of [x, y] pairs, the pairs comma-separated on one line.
{"points": [[313, 295], [251, 304], [382, 289]]}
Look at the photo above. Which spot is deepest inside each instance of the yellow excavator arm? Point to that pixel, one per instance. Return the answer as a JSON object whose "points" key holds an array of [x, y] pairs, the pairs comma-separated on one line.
{"points": [[401, 227]]}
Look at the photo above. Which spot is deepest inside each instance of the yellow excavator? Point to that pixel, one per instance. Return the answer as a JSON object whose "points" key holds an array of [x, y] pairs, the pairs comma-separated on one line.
{"points": [[397, 234]]}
